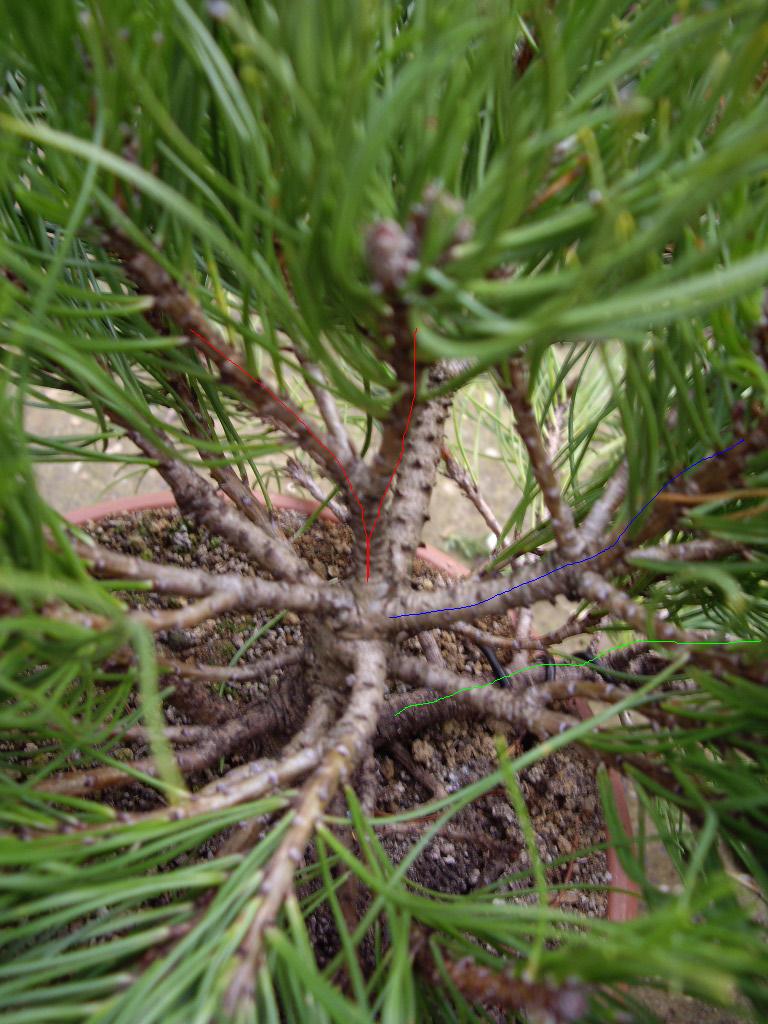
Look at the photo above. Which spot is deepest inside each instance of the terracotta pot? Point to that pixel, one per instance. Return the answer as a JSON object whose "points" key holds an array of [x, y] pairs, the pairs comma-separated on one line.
{"points": [[622, 897], [164, 499]]}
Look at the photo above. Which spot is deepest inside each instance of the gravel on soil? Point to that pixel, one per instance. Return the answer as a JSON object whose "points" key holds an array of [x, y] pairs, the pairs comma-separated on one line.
{"points": [[483, 845]]}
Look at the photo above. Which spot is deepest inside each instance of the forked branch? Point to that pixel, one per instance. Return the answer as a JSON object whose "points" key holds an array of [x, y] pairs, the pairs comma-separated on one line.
{"points": [[183, 310], [345, 746], [516, 393]]}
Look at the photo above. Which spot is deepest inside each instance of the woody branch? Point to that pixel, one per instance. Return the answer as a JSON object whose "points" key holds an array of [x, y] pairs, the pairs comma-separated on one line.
{"points": [[201, 429], [345, 746], [393, 254], [197, 499], [516, 393], [249, 592], [472, 597], [182, 309]]}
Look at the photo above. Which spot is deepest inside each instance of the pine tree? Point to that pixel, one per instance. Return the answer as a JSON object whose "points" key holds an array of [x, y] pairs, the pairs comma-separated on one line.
{"points": [[237, 228]]}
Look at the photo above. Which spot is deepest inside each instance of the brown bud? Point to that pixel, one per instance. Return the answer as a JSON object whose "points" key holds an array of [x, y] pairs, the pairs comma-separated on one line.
{"points": [[390, 255]]}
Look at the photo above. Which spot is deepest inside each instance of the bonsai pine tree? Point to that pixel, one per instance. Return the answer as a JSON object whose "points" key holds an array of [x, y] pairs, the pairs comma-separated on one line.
{"points": [[236, 228]]}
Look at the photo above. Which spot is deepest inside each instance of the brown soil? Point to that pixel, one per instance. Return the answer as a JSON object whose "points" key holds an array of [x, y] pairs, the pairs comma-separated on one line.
{"points": [[483, 844]]}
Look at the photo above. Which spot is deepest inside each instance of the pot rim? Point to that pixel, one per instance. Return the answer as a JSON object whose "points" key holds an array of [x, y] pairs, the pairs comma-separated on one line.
{"points": [[623, 894], [438, 559]]}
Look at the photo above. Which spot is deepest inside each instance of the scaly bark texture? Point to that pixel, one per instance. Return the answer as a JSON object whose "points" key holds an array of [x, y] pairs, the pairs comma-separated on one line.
{"points": [[183, 310], [336, 703], [516, 393], [395, 545]]}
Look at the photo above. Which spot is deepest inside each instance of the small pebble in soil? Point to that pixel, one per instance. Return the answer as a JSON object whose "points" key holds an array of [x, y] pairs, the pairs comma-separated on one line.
{"points": [[483, 845]]}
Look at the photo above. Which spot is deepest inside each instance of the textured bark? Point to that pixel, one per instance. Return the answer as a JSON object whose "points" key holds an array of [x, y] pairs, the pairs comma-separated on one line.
{"points": [[309, 737], [198, 500], [250, 592], [592, 530], [395, 544], [201, 428], [430, 647], [521, 705], [373, 481], [328, 409], [347, 744], [560, 513], [713, 475], [277, 715], [304, 479], [640, 618], [177, 304], [338, 697], [482, 636], [523, 628], [235, 675], [209, 607], [474, 598], [562, 1004], [597, 588], [703, 550], [469, 488]]}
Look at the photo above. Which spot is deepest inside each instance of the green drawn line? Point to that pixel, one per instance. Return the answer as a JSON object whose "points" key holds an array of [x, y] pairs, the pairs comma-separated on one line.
{"points": [[571, 664]]}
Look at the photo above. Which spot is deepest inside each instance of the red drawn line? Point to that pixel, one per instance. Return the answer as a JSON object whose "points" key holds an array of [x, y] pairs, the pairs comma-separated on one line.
{"points": [[368, 536]]}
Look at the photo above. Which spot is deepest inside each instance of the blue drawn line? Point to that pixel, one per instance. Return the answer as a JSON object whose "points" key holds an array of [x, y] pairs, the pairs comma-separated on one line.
{"points": [[580, 561]]}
